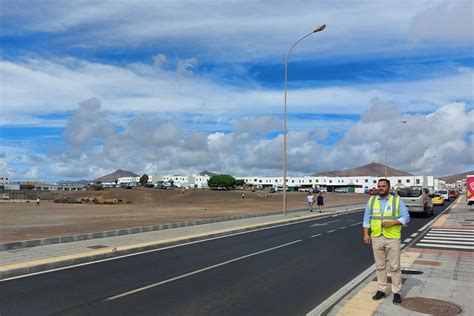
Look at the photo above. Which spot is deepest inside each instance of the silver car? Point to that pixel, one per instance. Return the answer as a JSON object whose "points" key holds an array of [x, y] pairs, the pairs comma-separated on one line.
{"points": [[417, 200]]}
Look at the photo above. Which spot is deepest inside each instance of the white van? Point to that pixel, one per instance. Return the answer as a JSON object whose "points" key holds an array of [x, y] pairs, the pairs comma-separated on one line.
{"points": [[444, 194], [417, 200]]}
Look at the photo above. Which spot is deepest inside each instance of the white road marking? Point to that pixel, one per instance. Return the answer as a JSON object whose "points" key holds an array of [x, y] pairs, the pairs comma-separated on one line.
{"points": [[414, 234], [323, 224], [332, 231], [316, 235], [407, 240], [344, 227], [448, 238], [460, 231], [444, 246], [438, 241], [449, 235], [402, 245], [355, 224], [197, 271]]}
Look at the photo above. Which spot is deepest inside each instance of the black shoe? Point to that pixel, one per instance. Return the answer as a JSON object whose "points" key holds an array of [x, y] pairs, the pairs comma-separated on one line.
{"points": [[378, 295], [397, 299]]}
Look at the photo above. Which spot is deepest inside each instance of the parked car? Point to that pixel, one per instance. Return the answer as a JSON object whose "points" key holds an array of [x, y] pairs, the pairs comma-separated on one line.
{"points": [[444, 194], [341, 190], [272, 190], [304, 189], [417, 200], [316, 190], [437, 199], [453, 194]]}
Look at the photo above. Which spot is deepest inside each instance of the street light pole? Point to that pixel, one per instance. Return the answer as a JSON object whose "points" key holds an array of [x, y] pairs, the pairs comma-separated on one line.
{"points": [[425, 178], [424, 167], [385, 145], [318, 29]]}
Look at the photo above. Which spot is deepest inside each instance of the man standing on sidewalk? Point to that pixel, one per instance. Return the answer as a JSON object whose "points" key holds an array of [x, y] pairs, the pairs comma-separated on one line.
{"points": [[384, 215]]}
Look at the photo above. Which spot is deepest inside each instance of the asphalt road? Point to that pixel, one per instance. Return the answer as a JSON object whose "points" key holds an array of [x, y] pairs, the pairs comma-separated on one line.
{"points": [[286, 270]]}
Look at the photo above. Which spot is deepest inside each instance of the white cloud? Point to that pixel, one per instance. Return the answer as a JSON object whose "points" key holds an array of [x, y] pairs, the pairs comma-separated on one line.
{"points": [[451, 21], [87, 124], [243, 30], [62, 83]]}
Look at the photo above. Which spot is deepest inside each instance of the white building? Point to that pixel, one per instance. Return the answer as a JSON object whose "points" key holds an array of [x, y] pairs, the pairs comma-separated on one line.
{"points": [[127, 180], [353, 184], [200, 181], [195, 181]]}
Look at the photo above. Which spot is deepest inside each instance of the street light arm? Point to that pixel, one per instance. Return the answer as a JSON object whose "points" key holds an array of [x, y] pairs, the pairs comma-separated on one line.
{"points": [[318, 29]]}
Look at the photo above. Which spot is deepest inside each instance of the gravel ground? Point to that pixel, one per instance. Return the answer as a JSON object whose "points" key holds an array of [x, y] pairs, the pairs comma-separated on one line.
{"points": [[140, 207]]}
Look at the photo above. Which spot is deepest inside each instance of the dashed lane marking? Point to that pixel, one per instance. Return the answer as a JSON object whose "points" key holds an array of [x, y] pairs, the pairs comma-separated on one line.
{"points": [[196, 272], [316, 235]]}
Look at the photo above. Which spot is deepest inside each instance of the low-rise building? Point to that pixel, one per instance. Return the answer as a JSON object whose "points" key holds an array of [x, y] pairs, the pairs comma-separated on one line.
{"points": [[352, 184]]}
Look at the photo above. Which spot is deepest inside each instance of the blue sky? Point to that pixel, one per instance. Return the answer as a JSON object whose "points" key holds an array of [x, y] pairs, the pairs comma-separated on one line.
{"points": [[178, 87]]}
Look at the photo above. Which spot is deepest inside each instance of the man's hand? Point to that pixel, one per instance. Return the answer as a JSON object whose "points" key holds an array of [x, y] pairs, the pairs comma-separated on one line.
{"points": [[367, 239], [387, 224]]}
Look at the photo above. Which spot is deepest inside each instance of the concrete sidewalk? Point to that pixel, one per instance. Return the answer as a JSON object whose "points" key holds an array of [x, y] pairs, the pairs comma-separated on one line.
{"points": [[22, 261], [439, 272]]}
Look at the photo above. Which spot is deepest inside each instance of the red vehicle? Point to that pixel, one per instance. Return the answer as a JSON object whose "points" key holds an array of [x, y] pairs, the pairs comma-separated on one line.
{"points": [[374, 191], [453, 194]]}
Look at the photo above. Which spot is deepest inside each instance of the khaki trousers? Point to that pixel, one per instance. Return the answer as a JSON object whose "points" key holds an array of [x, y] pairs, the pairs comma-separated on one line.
{"points": [[387, 249]]}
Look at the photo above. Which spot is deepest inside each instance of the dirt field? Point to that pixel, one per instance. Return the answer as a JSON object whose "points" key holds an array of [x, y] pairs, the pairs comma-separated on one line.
{"points": [[140, 207]]}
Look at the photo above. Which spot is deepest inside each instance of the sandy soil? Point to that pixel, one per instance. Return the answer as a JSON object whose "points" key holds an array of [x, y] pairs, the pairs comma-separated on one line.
{"points": [[23, 221]]}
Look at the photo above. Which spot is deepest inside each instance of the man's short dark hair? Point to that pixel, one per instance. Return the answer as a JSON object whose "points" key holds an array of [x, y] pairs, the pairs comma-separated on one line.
{"points": [[386, 180]]}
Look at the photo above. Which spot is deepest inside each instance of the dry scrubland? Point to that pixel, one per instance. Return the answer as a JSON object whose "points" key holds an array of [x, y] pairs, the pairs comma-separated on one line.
{"points": [[23, 221]]}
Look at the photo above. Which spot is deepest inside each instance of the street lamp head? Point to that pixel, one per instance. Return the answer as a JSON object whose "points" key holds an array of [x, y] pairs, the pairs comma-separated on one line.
{"points": [[319, 28]]}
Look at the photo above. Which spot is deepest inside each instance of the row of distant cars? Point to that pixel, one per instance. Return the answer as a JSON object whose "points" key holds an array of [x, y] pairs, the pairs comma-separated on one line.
{"points": [[419, 200], [162, 186], [439, 197]]}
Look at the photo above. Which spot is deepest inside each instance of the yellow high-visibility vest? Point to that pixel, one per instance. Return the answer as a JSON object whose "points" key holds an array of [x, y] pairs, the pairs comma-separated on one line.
{"points": [[378, 216]]}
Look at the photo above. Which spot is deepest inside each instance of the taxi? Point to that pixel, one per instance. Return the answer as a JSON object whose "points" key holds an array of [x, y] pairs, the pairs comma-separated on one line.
{"points": [[437, 199]]}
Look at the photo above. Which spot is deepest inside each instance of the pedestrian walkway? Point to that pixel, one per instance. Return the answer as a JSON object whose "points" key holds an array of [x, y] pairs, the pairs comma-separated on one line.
{"points": [[448, 238], [21, 261], [438, 272]]}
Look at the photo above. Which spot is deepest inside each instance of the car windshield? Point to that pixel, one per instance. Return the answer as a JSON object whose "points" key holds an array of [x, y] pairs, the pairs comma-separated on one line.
{"points": [[443, 192], [409, 192]]}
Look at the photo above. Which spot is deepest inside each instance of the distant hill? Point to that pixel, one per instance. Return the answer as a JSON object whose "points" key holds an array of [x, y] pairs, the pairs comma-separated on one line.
{"points": [[207, 173], [372, 169], [111, 177], [455, 177]]}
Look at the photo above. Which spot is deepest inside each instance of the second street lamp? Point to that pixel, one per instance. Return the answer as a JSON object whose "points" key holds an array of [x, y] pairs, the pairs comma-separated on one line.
{"points": [[385, 145], [318, 29]]}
